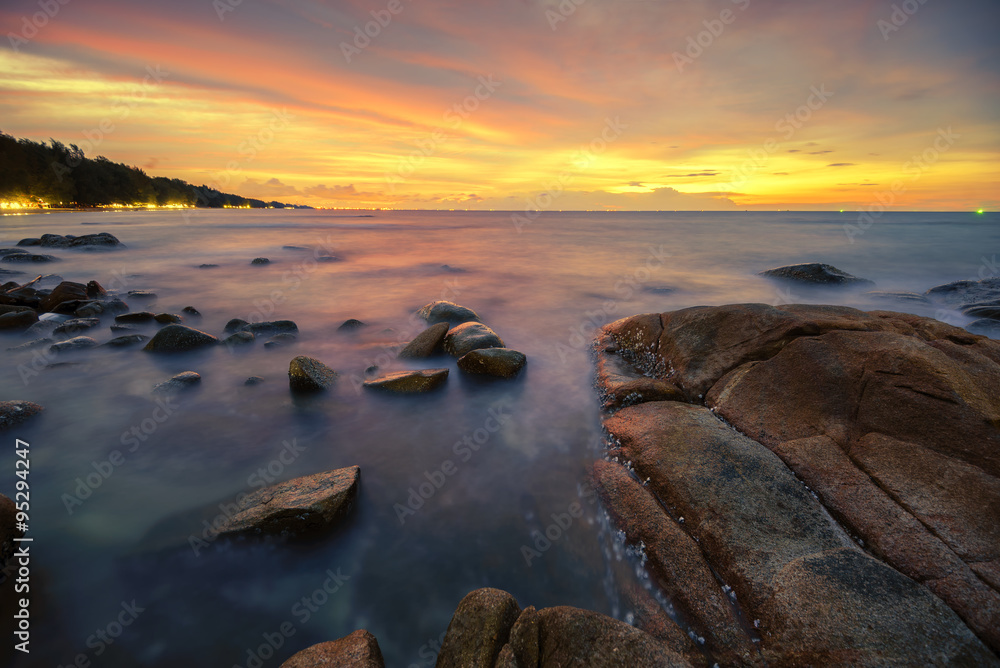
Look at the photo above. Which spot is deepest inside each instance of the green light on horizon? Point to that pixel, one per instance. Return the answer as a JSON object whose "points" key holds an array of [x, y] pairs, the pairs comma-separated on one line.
{"points": [[980, 212]]}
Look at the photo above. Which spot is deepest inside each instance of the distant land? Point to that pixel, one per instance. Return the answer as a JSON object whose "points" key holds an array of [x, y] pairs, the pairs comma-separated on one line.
{"points": [[37, 175]]}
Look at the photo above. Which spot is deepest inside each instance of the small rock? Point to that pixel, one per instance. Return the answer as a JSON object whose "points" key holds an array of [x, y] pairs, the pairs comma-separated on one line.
{"points": [[100, 241], [28, 257], [235, 325], [191, 311], [498, 362], [444, 311], [168, 318], [77, 325], [471, 336], [253, 380], [888, 295], [67, 291], [260, 260], [13, 413], [42, 328], [278, 340], [142, 294], [95, 290], [300, 506], [426, 343], [123, 328], [127, 340], [31, 345], [179, 338], [409, 382], [306, 374], [138, 317], [372, 370], [271, 328], [358, 650], [76, 343], [351, 325], [18, 320], [181, 381], [328, 258], [207, 266], [239, 339], [816, 273]]}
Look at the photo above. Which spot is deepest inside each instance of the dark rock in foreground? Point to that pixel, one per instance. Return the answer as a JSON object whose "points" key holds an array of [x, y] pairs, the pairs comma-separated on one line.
{"points": [[443, 311], [479, 629], [179, 338], [816, 273], [427, 343], [18, 320], [301, 506], [892, 420], [409, 382], [306, 374], [358, 650], [13, 413], [103, 241], [497, 362], [469, 336]]}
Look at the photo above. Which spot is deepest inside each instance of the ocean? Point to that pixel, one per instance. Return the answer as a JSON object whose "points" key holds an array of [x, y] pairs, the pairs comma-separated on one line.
{"points": [[122, 537]]}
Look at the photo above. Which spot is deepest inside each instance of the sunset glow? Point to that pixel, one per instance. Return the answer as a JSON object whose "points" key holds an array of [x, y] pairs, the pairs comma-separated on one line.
{"points": [[725, 104]]}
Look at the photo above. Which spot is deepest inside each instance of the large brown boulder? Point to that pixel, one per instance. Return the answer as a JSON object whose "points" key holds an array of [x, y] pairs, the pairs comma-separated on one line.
{"points": [[469, 336], [179, 338], [478, 630], [67, 291], [426, 343], [358, 650], [892, 420]]}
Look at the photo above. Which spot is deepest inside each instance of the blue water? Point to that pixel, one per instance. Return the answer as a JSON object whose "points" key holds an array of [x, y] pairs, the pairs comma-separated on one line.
{"points": [[545, 289]]}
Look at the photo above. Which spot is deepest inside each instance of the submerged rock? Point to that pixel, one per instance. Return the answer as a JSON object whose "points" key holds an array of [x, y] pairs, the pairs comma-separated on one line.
{"points": [[306, 374], [278, 340], [903, 297], [136, 318], [444, 311], [67, 291], [358, 650], [168, 318], [76, 343], [25, 257], [181, 381], [470, 336], [77, 325], [820, 274], [142, 294], [890, 419], [429, 342], [239, 339], [963, 293], [269, 328], [127, 340], [260, 260], [18, 320], [179, 338], [985, 326], [301, 506], [351, 325], [13, 413], [102, 240], [253, 380], [191, 311], [497, 362], [235, 325], [409, 382]]}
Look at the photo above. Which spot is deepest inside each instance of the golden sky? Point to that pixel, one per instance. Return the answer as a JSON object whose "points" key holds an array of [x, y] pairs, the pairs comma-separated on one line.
{"points": [[524, 104]]}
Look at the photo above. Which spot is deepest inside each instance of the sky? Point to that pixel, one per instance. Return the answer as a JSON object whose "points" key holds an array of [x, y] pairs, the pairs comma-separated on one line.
{"points": [[524, 104]]}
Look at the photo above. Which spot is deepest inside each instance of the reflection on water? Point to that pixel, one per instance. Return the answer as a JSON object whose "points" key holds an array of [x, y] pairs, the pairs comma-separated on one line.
{"points": [[119, 475]]}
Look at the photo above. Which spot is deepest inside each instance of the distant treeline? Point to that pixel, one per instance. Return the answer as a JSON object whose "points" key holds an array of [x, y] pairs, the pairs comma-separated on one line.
{"points": [[63, 176]]}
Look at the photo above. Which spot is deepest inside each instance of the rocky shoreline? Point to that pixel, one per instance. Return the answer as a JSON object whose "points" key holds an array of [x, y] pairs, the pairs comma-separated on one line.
{"points": [[809, 485]]}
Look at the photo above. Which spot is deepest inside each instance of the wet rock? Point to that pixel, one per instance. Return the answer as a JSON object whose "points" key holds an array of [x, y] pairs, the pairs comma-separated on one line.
{"points": [[253, 380], [815, 273], [123, 328], [208, 266], [10, 272], [13, 413], [987, 311], [136, 318], [898, 297], [260, 260], [67, 291], [295, 248], [371, 370], [469, 336], [100, 241], [358, 650], [168, 318], [95, 290], [141, 294], [11, 308], [270, 328], [26, 257], [76, 343], [235, 325], [96, 308], [181, 381], [18, 320], [127, 340], [42, 328], [409, 382], [429, 342], [31, 345], [306, 374], [77, 325], [278, 340], [444, 311], [478, 630], [351, 325], [497, 362], [962, 293], [239, 339], [304, 505], [191, 311], [179, 338], [985, 327]]}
